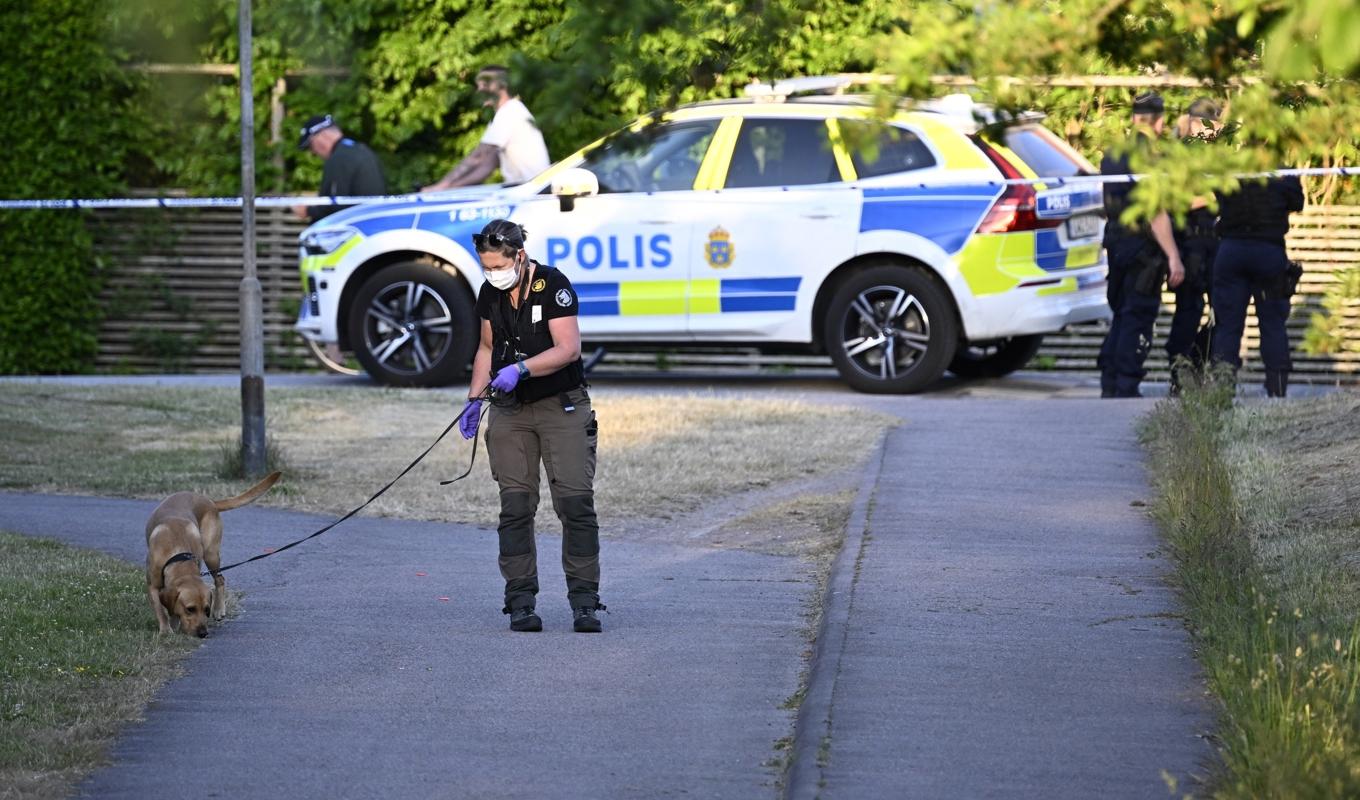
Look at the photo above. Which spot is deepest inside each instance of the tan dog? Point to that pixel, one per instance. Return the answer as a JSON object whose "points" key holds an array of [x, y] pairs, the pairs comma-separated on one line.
{"points": [[184, 531]]}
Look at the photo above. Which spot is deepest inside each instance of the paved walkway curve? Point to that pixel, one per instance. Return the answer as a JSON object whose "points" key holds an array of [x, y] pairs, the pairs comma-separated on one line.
{"points": [[1009, 632], [347, 677]]}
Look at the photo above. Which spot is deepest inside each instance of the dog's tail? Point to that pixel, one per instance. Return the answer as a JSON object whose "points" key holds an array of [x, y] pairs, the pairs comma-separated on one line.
{"points": [[250, 494]]}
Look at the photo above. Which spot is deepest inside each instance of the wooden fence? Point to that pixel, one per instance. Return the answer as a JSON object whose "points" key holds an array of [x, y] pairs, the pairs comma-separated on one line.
{"points": [[172, 286], [172, 281]]}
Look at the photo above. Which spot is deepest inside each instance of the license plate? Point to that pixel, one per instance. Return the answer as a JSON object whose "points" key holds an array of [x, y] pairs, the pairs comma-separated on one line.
{"points": [[1083, 227]]}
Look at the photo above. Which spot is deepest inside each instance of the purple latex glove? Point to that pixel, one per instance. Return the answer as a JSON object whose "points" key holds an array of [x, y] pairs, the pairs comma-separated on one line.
{"points": [[507, 379], [472, 416]]}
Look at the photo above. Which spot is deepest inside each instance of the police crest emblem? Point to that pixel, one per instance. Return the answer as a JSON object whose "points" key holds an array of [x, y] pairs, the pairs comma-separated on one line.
{"points": [[539, 285], [720, 251]]}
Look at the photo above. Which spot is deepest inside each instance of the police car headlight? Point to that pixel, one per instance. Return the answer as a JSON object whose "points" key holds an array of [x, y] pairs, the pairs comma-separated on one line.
{"points": [[326, 240]]}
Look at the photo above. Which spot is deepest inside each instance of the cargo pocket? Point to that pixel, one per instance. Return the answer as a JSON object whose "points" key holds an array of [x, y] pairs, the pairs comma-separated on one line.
{"points": [[508, 456]]}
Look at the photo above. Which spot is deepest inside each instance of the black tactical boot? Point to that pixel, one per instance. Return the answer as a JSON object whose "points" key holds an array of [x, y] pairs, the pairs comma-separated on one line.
{"points": [[525, 620], [585, 620], [1277, 383]]}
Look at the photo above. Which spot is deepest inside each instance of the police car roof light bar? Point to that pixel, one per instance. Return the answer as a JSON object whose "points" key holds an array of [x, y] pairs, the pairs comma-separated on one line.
{"points": [[780, 90]]}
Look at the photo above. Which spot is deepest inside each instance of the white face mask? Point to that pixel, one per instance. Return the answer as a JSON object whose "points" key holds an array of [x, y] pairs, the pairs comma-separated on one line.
{"points": [[503, 279]]}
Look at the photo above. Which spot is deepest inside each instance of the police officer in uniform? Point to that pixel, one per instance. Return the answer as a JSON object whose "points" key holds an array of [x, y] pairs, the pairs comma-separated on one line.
{"points": [[530, 357], [351, 169], [1139, 256], [1186, 348], [1252, 265]]}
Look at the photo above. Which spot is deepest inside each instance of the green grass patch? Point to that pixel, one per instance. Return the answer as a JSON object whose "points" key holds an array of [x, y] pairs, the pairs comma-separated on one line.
{"points": [[1253, 504], [232, 463], [79, 657]]}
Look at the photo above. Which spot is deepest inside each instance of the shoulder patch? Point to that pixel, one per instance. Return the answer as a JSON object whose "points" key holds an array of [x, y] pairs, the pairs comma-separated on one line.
{"points": [[563, 298], [539, 285]]}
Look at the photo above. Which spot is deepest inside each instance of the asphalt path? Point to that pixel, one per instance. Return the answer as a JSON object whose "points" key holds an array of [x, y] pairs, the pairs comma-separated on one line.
{"points": [[1010, 631], [1006, 630]]}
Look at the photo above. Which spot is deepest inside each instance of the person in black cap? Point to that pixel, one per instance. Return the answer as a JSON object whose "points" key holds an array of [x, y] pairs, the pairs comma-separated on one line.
{"points": [[1139, 256], [351, 169], [1187, 346]]}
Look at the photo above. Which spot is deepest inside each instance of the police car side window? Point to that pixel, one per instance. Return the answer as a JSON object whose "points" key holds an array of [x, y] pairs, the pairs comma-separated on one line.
{"points": [[782, 152], [658, 158], [884, 149]]}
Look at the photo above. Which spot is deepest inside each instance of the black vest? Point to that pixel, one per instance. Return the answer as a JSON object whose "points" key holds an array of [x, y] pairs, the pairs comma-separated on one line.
{"points": [[515, 336]]}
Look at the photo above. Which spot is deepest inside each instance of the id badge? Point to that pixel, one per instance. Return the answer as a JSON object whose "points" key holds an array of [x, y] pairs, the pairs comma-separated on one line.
{"points": [[536, 314]]}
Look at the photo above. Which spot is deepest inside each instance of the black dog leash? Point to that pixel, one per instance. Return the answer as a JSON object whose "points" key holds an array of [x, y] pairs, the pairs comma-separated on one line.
{"points": [[380, 492]]}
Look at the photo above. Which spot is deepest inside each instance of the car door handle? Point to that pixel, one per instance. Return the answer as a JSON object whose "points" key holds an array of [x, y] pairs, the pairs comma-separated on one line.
{"points": [[819, 213], [656, 221]]}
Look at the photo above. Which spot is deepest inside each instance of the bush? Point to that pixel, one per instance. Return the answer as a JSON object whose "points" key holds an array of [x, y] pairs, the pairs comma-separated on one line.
{"points": [[66, 133]]}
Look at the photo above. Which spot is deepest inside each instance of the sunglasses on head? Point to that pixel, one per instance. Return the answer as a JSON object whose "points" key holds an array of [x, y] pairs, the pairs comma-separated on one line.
{"points": [[493, 241]]}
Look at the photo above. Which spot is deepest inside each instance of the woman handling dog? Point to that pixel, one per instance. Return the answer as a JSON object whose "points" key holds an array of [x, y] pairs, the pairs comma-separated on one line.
{"points": [[530, 357]]}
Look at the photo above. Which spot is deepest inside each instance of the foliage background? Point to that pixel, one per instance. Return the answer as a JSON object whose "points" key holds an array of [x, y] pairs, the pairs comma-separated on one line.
{"points": [[55, 62]]}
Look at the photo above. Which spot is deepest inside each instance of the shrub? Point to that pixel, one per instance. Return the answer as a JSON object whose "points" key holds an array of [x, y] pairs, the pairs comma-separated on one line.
{"points": [[66, 133]]}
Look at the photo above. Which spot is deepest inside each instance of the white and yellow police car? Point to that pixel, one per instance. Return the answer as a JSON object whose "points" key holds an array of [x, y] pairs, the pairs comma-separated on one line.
{"points": [[788, 220]]}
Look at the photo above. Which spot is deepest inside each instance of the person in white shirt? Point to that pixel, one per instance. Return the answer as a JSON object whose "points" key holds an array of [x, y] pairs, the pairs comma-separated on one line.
{"points": [[512, 141]]}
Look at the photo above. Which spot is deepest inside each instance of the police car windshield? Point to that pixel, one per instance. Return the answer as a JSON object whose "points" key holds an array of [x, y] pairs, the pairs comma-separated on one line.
{"points": [[658, 158], [1045, 153]]}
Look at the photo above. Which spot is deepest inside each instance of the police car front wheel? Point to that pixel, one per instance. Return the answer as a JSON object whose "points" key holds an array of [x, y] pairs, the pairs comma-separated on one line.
{"points": [[412, 324], [891, 329]]}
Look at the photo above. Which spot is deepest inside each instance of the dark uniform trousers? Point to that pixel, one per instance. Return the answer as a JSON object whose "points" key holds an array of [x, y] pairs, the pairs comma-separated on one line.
{"points": [[1197, 255], [1135, 310], [517, 439], [1252, 270]]}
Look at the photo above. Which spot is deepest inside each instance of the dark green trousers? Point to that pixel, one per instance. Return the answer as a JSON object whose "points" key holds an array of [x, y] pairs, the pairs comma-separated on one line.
{"points": [[518, 439]]}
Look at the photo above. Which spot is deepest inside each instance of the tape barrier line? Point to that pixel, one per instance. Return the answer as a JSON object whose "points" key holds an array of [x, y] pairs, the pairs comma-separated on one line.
{"points": [[435, 198]]}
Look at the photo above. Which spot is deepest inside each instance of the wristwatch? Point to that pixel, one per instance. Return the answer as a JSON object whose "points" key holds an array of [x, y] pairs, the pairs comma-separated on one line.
{"points": [[523, 370]]}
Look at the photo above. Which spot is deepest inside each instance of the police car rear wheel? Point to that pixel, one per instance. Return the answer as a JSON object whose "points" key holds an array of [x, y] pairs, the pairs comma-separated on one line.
{"points": [[891, 329], [412, 324], [995, 358]]}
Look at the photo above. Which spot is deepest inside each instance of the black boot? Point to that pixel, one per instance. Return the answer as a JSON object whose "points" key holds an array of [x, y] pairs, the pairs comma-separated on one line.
{"points": [[524, 620], [584, 619], [1277, 383]]}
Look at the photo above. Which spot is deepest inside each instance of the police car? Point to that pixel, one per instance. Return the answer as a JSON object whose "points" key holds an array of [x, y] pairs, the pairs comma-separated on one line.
{"points": [[789, 220]]}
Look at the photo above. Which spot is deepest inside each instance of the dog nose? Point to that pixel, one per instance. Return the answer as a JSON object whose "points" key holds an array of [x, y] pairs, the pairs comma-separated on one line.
{"points": [[202, 633]]}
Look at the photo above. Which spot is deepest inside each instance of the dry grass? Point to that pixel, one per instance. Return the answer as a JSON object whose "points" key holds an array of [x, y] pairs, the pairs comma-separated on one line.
{"points": [[809, 526], [660, 457], [1296, 469]]}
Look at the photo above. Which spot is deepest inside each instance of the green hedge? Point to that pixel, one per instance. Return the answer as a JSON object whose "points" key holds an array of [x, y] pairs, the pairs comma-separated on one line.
{"points": [[66, 132]]}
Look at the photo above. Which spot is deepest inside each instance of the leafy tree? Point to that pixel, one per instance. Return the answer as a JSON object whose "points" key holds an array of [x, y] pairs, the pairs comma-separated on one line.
{"points": [[406, 68], [1289, 91], [67, 130]]}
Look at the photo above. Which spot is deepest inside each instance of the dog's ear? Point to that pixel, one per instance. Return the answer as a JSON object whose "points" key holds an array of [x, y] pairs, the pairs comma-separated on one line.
{"points": [[168, 595]]}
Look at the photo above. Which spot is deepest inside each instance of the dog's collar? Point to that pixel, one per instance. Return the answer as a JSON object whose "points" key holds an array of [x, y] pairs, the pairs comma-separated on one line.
{"points": [[176, 558]]}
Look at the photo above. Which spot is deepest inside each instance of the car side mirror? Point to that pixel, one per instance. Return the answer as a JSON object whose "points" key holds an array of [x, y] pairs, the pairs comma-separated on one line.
{"points": [[570, 184]]}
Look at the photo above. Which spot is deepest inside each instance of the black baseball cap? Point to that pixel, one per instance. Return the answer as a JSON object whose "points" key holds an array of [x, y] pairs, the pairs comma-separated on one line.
{"points": [[1148, 103], [314, 125]]}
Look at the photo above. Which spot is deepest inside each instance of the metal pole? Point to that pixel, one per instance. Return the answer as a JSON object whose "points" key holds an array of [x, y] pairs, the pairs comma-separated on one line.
{"points": [[252, 315]]}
